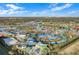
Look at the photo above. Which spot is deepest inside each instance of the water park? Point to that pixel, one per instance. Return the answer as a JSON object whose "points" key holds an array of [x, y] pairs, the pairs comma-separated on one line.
{"points": [[41, 39]]}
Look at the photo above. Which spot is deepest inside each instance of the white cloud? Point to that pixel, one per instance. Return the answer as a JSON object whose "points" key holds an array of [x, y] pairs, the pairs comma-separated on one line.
{"points": [[72, 12], [40, 13], [61, 7], [53, 5], [3, 11], [14, 7], [52, 11]]}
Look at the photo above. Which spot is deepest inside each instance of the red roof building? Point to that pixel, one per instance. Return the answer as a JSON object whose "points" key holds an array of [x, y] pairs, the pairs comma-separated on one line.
{"points": [[76, 27]]}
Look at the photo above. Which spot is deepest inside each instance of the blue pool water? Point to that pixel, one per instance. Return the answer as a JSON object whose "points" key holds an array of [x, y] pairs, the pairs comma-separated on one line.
{"points": [[7, 40], [42, 35]]}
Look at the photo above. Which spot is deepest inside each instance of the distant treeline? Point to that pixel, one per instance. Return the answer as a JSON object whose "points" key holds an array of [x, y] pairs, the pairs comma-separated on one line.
{"points": [[14, 20]]}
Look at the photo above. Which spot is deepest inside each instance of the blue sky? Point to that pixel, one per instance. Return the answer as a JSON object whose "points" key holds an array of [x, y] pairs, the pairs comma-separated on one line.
{"points": [[39, 9]]}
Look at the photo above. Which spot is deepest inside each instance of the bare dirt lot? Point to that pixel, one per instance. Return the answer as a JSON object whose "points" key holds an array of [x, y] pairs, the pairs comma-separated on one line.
{"points": [[72, 49]]}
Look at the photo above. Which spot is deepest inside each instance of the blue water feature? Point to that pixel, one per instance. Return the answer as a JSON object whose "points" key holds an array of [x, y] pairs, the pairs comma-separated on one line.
{"points": [[54, 42], [42, 35], [13, 32], [31, 41], [7, 40], [41, 44], [54, 37], [63, 39]]}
